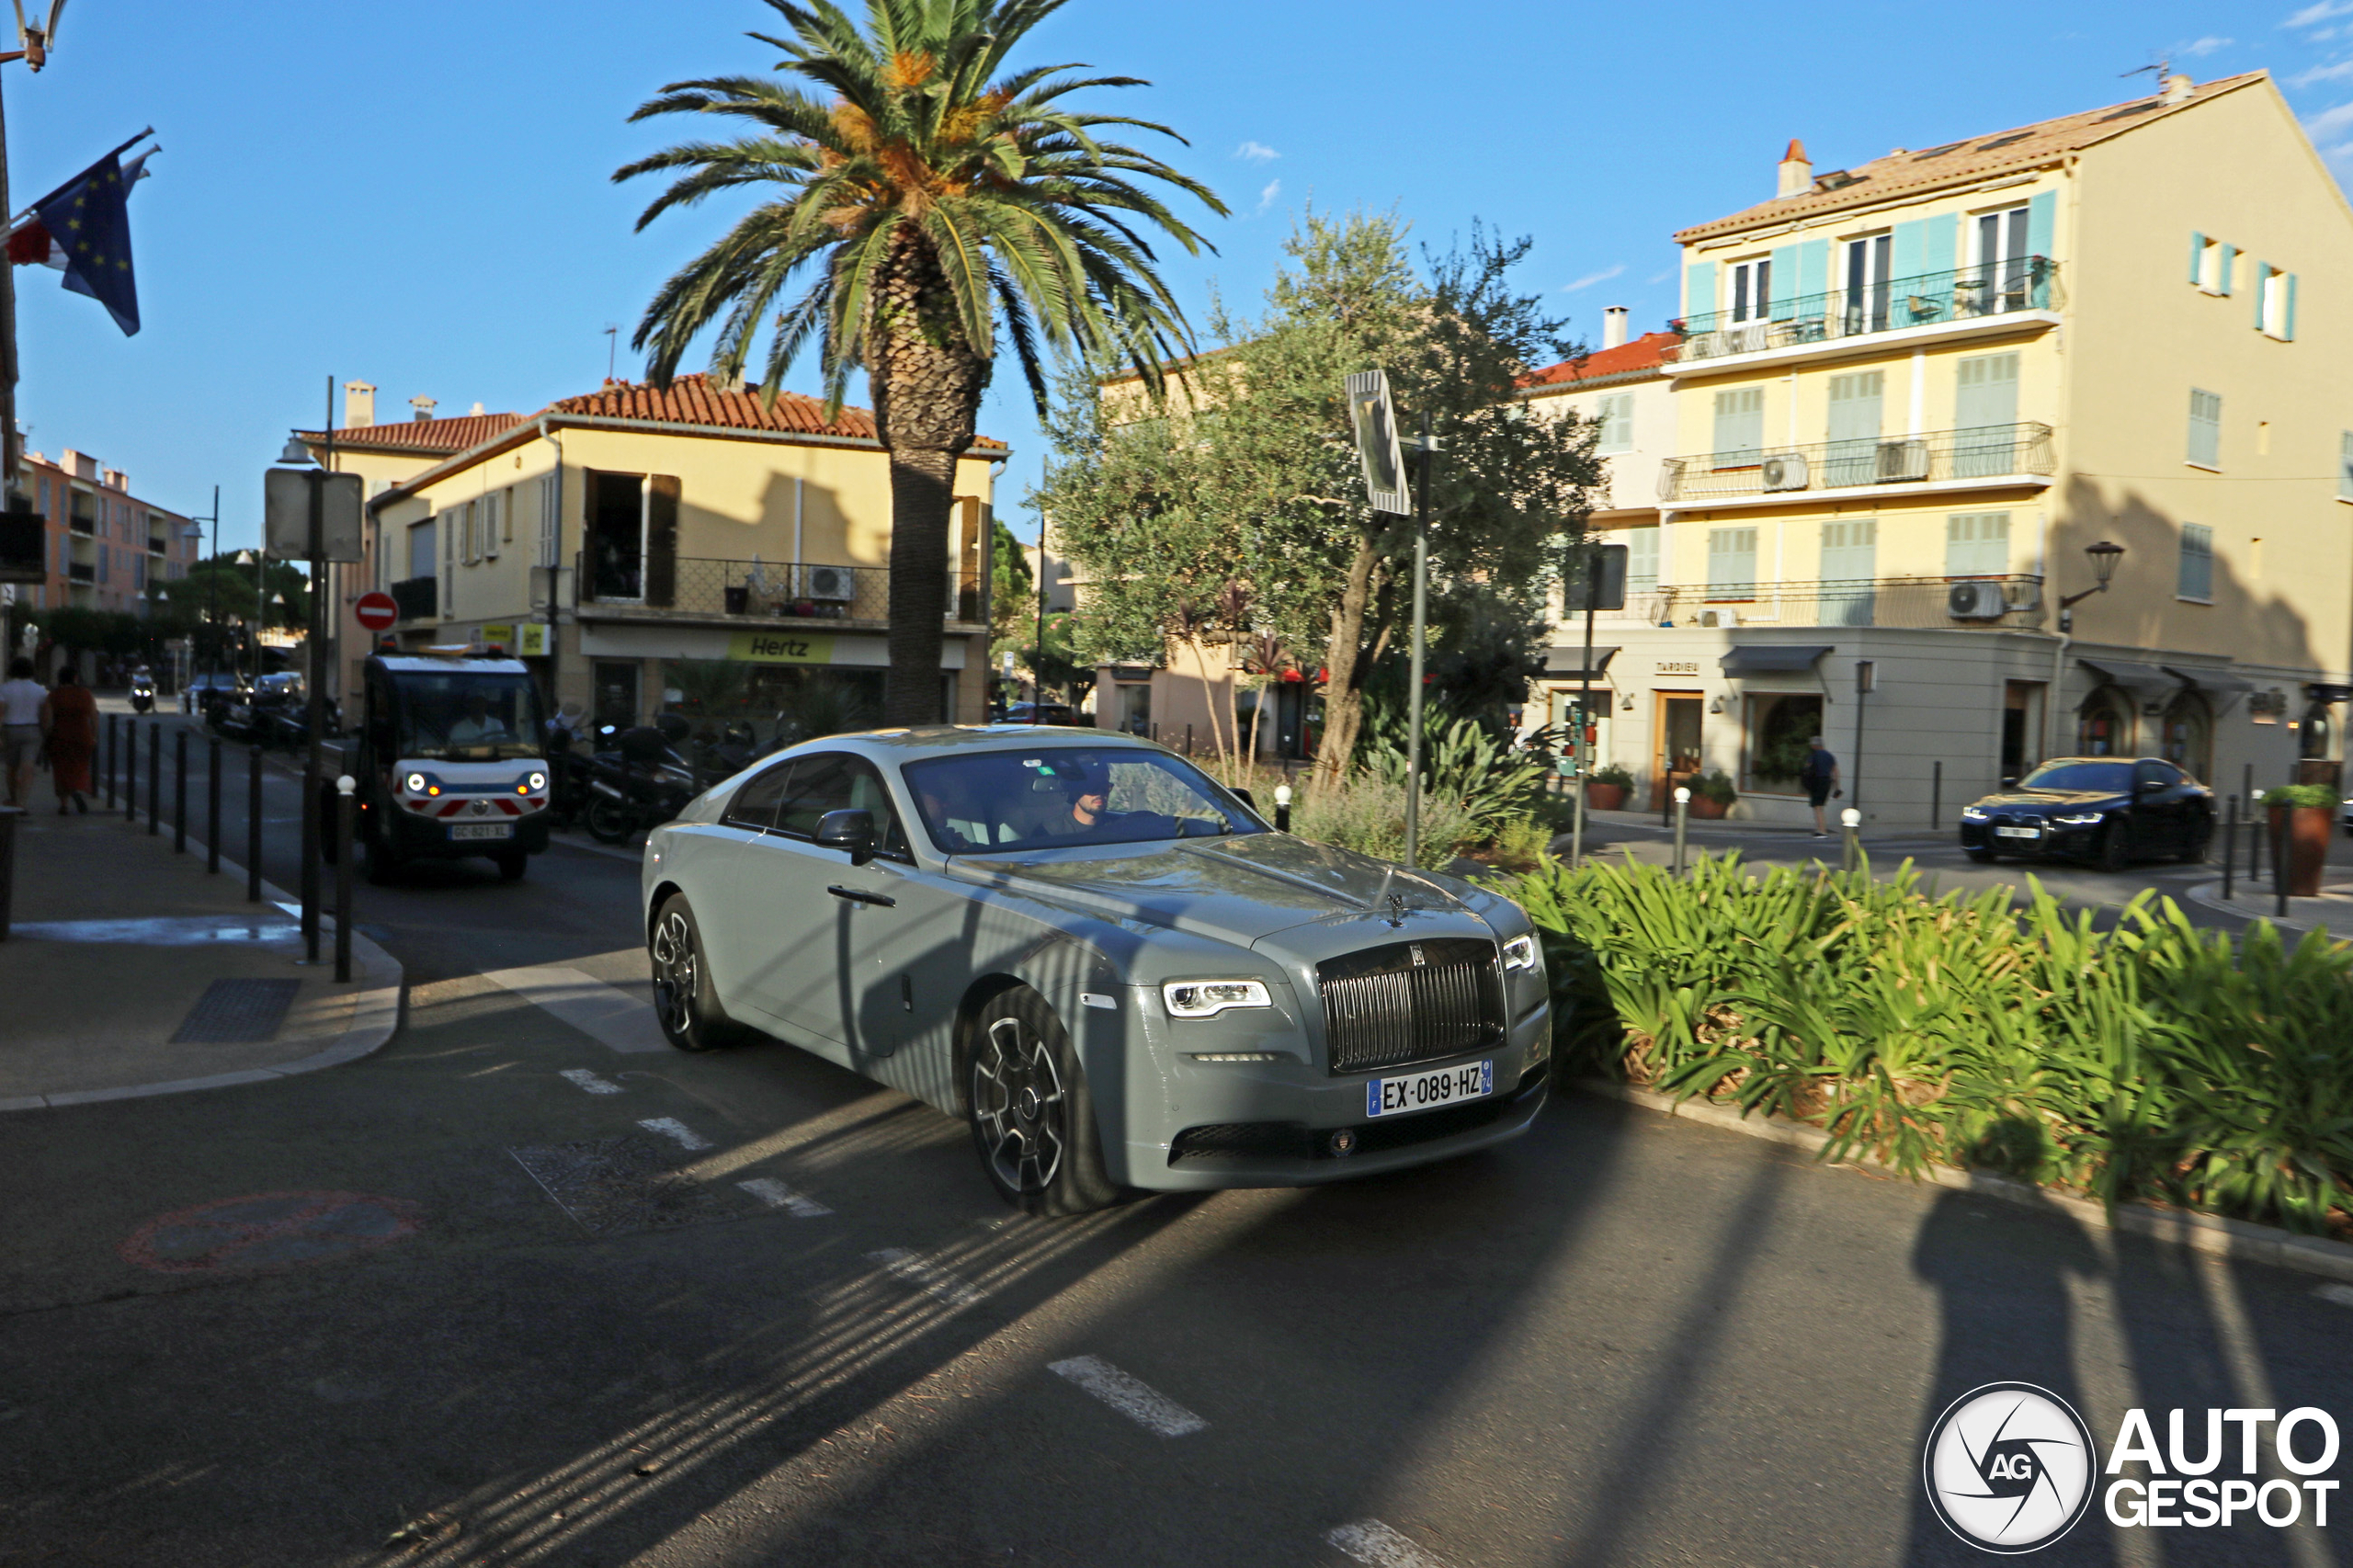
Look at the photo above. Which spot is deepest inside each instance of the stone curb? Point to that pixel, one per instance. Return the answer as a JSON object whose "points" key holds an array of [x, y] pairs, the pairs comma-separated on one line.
{"points": [[375, 1018], [2209, 895], [2208, 1233]]}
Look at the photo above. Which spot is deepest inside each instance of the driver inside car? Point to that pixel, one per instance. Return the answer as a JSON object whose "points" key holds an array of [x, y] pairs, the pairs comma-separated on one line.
{"points": [[1087, 789], [477, 724]]}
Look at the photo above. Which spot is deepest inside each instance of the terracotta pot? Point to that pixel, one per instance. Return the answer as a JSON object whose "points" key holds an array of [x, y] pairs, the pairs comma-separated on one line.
{"points": [[2304, 832], [1603, 797], [1706, 809]]}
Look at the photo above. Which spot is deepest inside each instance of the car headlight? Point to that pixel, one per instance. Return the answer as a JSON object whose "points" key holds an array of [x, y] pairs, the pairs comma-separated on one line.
{"points": [[1520, 953], [1971, 813], [414, 783], [2079, 819], [537, 782], [1207, 998]]}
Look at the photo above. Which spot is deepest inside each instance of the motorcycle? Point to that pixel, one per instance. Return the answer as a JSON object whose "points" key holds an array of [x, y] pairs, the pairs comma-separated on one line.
{"points": [[640, 784], [143, 694], [569, 763]]}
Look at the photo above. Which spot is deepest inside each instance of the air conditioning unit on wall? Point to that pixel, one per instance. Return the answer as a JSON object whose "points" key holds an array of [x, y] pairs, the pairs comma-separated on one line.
{"points": [[838, 582], [1975, 601], [1900, 461], [1786, 471]]}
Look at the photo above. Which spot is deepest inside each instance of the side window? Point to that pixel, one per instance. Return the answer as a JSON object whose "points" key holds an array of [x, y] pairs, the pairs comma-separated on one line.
{"points": [[2147, 773], [755, 804], [820, 784], [868, 792]]}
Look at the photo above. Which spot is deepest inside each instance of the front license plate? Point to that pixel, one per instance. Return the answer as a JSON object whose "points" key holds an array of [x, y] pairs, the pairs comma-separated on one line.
{"points": [[1428, 1091], [2017, 833], [481, 830]]}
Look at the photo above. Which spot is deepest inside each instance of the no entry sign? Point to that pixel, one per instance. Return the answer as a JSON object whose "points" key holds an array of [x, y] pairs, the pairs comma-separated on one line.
{"points": [[376, 612]]}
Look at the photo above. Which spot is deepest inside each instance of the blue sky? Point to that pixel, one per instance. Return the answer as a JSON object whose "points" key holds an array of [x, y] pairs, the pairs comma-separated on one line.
{"points": [[416, 194]]}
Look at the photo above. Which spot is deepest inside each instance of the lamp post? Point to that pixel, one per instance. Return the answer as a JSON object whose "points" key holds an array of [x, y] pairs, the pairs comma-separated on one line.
{"points": [[2103, 557], [211, 591], [33, 46], [251, 559]]}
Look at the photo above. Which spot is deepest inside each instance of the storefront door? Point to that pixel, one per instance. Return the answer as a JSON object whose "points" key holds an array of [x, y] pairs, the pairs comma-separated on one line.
{"points": [[1677, 750]]}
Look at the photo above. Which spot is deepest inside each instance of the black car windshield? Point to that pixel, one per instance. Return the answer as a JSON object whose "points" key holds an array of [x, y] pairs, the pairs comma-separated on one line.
{"points": [[2082, 778], [1057, 797], [468, 717]]}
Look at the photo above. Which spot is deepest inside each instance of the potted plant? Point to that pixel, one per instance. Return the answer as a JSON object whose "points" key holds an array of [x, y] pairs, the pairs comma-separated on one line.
{"points": [[1608, 788], [1712, 795], [2302, 818]]}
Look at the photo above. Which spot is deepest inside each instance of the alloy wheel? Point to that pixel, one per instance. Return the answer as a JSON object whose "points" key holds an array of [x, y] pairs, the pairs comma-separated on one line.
{"points": [[1020, 1106], [674, 974]]}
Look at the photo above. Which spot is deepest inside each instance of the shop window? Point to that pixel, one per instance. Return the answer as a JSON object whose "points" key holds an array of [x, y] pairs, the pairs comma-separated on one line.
{"points": [[2189, 740], [1781, 725], [2105, 724]]}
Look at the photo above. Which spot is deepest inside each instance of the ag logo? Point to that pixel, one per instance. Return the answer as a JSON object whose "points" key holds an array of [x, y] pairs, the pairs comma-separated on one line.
{"points": [[2009, 1467]]}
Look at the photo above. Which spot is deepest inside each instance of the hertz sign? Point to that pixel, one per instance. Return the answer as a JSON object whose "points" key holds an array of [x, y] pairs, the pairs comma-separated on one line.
{"points": [[781, 648]]}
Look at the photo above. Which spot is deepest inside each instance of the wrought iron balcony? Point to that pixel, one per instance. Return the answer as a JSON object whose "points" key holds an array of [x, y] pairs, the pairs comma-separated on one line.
{"points": [[703, 587], [2030, 283], [1986, 451], [1972, 603]]}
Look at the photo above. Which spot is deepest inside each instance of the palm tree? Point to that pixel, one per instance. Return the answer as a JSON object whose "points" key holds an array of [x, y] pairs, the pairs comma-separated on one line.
{"points": [[938, 204]]}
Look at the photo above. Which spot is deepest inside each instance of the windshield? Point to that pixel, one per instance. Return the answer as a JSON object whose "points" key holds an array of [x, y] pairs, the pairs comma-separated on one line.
{"points": [[2083, 778], [1060, 796], [467, 717]]}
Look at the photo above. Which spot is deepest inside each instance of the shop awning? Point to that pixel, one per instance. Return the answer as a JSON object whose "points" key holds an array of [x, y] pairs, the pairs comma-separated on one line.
{"points": [[2222, 683], [1772, 658], [2149, 682], [1568, 664]]}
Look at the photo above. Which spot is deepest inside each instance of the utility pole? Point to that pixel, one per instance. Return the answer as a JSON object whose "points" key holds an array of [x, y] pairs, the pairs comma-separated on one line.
{"points": [[1428, 448], [1037, 664], [34, 43]]}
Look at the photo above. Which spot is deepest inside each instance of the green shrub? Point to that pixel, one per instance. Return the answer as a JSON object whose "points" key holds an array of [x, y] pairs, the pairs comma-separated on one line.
{"points": [[2299, 795], [2155, 1059], [1715, 787], [1368, 813], [1465, 764], [1612, 773]]}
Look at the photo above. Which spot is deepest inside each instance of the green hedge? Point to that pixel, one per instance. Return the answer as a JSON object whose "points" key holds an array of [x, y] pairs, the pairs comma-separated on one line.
{"points": [[2153, 1061]]}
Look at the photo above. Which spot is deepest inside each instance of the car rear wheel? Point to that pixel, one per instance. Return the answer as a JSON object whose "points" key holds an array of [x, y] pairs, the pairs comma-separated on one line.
{"points": [[1033, 1118], [2115, 847], [2201, 838], [684, 1003]]}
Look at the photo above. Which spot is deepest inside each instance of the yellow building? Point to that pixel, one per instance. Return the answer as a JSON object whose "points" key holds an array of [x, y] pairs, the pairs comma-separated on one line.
{"points": [[1912, 392], [634, 543]]}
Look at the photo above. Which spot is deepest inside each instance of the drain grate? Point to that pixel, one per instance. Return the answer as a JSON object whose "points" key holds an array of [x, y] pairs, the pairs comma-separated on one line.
{"points": [[611, 1185], [237, 1012]]}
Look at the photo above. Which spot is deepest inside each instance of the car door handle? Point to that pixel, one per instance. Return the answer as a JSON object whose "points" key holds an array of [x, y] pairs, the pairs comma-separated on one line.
{"points": [[880, 901]]}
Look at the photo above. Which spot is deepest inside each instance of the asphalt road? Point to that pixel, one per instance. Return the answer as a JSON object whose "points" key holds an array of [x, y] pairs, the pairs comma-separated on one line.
{"points": [[1622, 1339]]}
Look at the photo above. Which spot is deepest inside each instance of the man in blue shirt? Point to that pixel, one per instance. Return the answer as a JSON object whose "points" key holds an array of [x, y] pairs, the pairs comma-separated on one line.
{"points": [[1820, 774]]}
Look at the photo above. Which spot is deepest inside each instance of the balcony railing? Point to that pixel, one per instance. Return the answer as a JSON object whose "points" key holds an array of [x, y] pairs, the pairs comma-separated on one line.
{"points": [[1986, 451], [81, 572], [757, 590], [1978, 603], [413, 598], [2030, 283]]}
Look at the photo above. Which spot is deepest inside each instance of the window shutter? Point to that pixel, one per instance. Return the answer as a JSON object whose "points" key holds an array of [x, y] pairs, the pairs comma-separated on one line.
{"points": [[2345, 465], [2197, 258], [1813, 267], [1907, 252], [1941, 237], [1641, 555], [660, 539], [2230, 261], [1699, 289], [2263, 287], [2040, 215], [2196, 577], [2287, 309], [1785, 283]]}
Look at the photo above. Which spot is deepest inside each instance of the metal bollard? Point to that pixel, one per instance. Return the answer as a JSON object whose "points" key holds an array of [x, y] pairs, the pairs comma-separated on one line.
{"points": [[154, 777], [1936, 795], [1576, 822], [2254, 840], [1682, 821], [1282, 807], [253, 829], [347, 809], [105, 768], [2279, 863], [179, 794], [131, 771], [2230, 846], [8, 815], [213, 808], [1851, 823]]}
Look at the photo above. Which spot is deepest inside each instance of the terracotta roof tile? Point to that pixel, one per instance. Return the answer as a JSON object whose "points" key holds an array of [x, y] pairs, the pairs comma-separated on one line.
{"points": [[1956, 162], [1649, 352], [426, 437], [695, 400]]}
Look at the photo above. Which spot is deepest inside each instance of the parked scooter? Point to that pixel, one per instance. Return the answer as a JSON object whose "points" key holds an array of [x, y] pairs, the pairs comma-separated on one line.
{"points": [[569, 764], [640, 784], [143, 692]]}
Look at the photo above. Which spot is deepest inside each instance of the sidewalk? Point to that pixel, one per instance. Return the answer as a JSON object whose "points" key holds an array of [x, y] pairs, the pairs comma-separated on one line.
{"points": [[128, 971], [1724, 828], [2332, 912]]}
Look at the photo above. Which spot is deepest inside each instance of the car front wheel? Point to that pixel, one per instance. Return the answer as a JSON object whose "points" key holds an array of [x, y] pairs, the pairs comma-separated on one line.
{"points": [[1032, 1118], [684, 1004], [2115, 846]]}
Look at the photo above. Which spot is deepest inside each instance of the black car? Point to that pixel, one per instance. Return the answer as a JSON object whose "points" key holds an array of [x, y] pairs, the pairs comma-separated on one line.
{"points": [[2106, 809], [205, 692]]}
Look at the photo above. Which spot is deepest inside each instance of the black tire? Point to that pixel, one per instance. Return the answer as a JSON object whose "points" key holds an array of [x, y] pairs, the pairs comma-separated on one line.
{"points": [[1031, 1115], [2201, 840], [384, 862], [511, 864], [609, 822], [684, 1002], [2115, 849], [1983, 857]]}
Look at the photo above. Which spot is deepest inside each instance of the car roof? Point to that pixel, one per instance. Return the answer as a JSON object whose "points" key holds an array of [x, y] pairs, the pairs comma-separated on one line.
{"points": [[903, 746]]}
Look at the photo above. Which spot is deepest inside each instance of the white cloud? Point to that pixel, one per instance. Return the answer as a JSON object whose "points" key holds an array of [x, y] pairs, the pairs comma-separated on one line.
{"points": [[2329, 122], [2341, 69], [1664, 276], [1590, 278], [1267, 197], [2204, 46], [2319, 11], [1256, 153]]}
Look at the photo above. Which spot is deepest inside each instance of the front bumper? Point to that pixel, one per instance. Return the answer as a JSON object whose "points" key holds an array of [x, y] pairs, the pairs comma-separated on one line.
{"points": [[2052, 844], [427, 838]]}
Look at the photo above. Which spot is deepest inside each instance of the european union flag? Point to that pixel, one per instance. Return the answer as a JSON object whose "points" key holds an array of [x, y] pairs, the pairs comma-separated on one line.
{"points": [[89, 219]]}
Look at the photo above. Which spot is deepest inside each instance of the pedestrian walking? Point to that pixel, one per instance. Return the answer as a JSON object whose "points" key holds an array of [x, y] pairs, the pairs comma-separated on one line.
{"points": [[1820, 776], [20, 700], [69, 727]]}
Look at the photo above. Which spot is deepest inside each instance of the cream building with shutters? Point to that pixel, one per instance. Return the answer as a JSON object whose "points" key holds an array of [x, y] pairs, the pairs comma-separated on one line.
{"points": [[1909, 393]]}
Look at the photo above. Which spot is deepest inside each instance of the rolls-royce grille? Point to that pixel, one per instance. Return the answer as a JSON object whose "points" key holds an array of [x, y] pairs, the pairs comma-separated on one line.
{"points": [[1411, 1002]]}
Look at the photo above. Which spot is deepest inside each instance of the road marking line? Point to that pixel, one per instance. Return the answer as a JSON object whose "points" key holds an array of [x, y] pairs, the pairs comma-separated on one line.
{"points": [[603, 1012], [775, 1195], [917, 1272], [2341, 1294], [672, 1128], [590, 1082], [1375, 1544], [1131, 1397]]}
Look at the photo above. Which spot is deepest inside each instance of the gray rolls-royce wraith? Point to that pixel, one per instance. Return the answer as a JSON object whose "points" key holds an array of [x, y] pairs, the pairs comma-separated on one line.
{"points": [[1105, 964]]}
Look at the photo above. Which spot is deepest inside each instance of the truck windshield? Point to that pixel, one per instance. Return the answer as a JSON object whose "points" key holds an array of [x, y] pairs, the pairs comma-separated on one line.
{"points": [[467, 717]]}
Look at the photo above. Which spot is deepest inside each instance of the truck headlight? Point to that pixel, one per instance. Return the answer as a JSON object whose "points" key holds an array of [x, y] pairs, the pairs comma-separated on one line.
{"points": [[537, 782], [414, 783], [1520, 953], [1207, 998]]}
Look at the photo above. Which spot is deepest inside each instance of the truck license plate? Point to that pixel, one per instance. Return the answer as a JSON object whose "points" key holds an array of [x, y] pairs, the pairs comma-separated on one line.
{"points": [[1428, 1091], [481, 830]]}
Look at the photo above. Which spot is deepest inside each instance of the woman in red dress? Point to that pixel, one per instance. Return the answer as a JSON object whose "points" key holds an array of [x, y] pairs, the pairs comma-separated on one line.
{"points": [[69, 727]]}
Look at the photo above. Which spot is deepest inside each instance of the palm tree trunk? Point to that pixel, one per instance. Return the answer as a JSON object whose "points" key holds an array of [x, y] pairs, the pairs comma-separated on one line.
{"points": [[922, 486]]}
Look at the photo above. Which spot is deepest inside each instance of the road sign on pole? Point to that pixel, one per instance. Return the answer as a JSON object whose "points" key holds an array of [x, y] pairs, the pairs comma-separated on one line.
{"points": [[1376, 425], [375, 611]]}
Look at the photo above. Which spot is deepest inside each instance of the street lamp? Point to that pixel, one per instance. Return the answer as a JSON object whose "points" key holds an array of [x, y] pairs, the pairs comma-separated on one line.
{"points": [[2103, 557], [34, 41]]}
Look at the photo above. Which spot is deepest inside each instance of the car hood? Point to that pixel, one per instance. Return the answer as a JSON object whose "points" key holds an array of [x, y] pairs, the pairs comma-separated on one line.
{"points": [[1235, 889], [2038, 800]]}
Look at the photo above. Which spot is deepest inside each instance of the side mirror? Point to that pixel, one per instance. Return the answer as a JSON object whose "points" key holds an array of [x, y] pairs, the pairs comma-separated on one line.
{"points": [[852, 830], [2011, 782]]}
